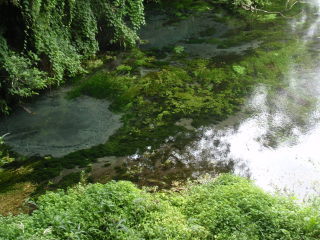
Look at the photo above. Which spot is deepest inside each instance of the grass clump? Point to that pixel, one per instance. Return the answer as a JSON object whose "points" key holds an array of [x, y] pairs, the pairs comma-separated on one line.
{"points": [[226, 208]]}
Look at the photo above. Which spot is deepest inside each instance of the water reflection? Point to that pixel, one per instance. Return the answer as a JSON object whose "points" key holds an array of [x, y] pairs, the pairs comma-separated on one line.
{"points": [[275, 140], [268, 147]]}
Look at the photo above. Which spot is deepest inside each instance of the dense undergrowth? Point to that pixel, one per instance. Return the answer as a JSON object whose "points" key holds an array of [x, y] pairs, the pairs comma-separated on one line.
{"points": [[227, 208]]}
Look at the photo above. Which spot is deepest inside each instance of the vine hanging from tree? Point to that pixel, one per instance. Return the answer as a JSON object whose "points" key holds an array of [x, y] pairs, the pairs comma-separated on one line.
{"points": [[43, 41]]}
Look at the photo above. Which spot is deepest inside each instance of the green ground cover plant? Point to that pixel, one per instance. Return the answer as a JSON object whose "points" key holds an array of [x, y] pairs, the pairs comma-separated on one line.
{"points": [[227, 208]]}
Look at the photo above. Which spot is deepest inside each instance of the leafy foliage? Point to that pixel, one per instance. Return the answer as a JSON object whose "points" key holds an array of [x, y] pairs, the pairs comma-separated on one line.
{"points": [[181, 6], [58, 35], [226, 208]]}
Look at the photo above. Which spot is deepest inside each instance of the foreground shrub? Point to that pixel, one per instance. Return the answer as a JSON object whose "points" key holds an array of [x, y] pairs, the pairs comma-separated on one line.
{"points": [[227, 208]]}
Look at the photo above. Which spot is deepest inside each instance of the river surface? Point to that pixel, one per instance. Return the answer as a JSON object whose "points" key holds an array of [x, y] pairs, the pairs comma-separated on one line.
{"points": [[274, 139]]}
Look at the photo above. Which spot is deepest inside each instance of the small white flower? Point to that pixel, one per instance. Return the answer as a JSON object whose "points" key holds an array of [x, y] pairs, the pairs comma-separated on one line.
{"points": [[47, 230]]}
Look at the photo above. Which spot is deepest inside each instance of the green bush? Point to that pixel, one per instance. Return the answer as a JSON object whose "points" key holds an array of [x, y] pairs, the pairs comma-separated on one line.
{"points": [[57, 36], [226, 208]]}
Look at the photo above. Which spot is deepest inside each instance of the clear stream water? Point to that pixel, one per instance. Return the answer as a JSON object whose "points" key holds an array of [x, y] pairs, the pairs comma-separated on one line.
{"points": [[274, 139], [54, 125]]}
